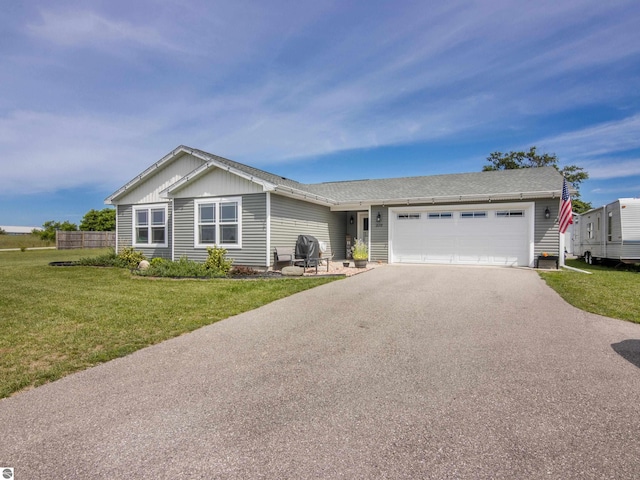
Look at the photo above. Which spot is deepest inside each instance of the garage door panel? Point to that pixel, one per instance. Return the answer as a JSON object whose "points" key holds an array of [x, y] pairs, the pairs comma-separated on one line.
{"points": [[485, 239]]}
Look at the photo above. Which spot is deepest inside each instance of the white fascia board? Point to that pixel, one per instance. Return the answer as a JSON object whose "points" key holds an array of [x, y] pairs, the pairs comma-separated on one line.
{"points": [[306, 196], [132, 183]]}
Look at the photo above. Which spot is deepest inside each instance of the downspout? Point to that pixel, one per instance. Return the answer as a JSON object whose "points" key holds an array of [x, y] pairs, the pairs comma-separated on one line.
{"points": [[268, 221], [117, 229], [173, 231], [561, 252], [370, 233]]}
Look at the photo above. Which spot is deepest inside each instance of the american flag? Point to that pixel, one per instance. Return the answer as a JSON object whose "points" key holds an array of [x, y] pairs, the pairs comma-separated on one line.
{"points": [[566, 218]]}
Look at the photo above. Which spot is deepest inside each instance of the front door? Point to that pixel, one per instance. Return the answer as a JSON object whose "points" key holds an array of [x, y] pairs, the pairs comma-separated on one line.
{"points": [[363, 227]]}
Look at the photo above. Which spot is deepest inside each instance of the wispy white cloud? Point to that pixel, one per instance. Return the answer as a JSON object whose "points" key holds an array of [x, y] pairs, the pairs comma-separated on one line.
{"points": [[332, 77], [607, 168], [629, 191], [598, 140], [71, 28], [67, 151]]}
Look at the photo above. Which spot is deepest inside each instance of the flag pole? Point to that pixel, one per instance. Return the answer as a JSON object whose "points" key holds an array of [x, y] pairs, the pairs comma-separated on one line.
{"points": [[561, 252], [564, 219], [561, 244]]}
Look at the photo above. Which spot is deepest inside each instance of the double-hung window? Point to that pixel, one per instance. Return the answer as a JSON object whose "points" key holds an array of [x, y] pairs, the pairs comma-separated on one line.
{"points": [[218, 221], [150, 225]]}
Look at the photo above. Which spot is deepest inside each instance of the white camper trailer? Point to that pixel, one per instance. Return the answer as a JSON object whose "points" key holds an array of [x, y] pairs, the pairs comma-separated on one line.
{"points": [[610, 232]]}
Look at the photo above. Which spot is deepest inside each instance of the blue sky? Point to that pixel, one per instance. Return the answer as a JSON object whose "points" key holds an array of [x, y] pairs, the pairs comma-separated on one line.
{"points": [[92, 93]]}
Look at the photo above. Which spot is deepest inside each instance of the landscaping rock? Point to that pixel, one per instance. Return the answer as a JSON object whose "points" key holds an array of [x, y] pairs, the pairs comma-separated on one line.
{"points": [[143, 265], [292, 271]]}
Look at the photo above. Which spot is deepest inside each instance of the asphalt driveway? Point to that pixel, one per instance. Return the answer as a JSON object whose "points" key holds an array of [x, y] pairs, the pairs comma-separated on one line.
{"points": [[401, 372]]}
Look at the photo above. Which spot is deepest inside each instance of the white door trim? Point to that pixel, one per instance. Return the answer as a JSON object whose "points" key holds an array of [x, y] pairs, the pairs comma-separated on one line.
{"points": [[360, 227]]}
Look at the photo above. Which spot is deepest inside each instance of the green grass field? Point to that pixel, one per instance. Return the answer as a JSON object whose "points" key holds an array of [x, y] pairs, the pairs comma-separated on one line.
{"points": [[23, 241], [58, 320], [607, 291]]}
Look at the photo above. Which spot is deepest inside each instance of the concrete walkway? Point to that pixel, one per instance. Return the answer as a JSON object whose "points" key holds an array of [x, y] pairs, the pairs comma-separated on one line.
{"points": [[401, 372]]}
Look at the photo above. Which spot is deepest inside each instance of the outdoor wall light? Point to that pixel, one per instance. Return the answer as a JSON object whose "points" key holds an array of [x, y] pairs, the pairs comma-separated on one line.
{"points": [[378, 218], [351, 220], [547, 213]]}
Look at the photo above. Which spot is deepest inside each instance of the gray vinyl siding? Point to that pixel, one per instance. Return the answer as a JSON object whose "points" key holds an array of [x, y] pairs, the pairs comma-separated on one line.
{"points": [[125, 226], [545, 236], [352, 229], [290, 218], [125, 233], [183, 228], [379, 234], [254, 232]]}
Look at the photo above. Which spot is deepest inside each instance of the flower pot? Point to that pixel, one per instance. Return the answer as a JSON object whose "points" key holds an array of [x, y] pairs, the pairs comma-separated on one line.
{"points": [[360, 263], [345, 264]]}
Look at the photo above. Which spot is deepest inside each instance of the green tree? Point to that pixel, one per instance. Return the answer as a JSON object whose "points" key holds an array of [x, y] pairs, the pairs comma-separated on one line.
{"points": [[2, 232], [531, 159], [99, 220], [50, 227]]}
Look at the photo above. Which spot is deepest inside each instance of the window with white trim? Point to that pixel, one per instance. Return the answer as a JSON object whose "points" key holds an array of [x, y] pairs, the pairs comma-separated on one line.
{"points": [[590, 230], [218, 221], [408, 216], [473, 214], [150, 226], [440, 215], [510, 213]]}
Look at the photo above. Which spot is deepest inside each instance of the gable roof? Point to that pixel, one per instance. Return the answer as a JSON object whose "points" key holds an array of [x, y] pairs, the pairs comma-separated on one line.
{"points": [[527, 183], [523, 183]]}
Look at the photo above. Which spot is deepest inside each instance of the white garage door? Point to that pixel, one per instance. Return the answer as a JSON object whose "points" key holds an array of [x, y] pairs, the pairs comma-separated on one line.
{"points": [[472, 235]]}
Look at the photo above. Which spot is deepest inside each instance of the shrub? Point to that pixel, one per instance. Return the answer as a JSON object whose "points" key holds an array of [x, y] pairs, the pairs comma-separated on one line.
{"points": [[217, 263], [130, 257], [109, 259], [160, 267], [158, 262]]}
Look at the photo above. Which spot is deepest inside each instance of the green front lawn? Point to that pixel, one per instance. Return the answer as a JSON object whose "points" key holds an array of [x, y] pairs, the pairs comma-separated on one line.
{"points": [[608, 291], [57, 320]]}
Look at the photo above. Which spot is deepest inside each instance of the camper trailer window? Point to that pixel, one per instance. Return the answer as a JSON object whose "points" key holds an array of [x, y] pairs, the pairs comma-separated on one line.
{"points": [[610, 226], [590, 230]]}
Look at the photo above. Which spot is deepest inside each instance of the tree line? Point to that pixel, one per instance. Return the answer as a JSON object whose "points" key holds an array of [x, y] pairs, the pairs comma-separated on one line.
{"points": [[93, 221]]}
